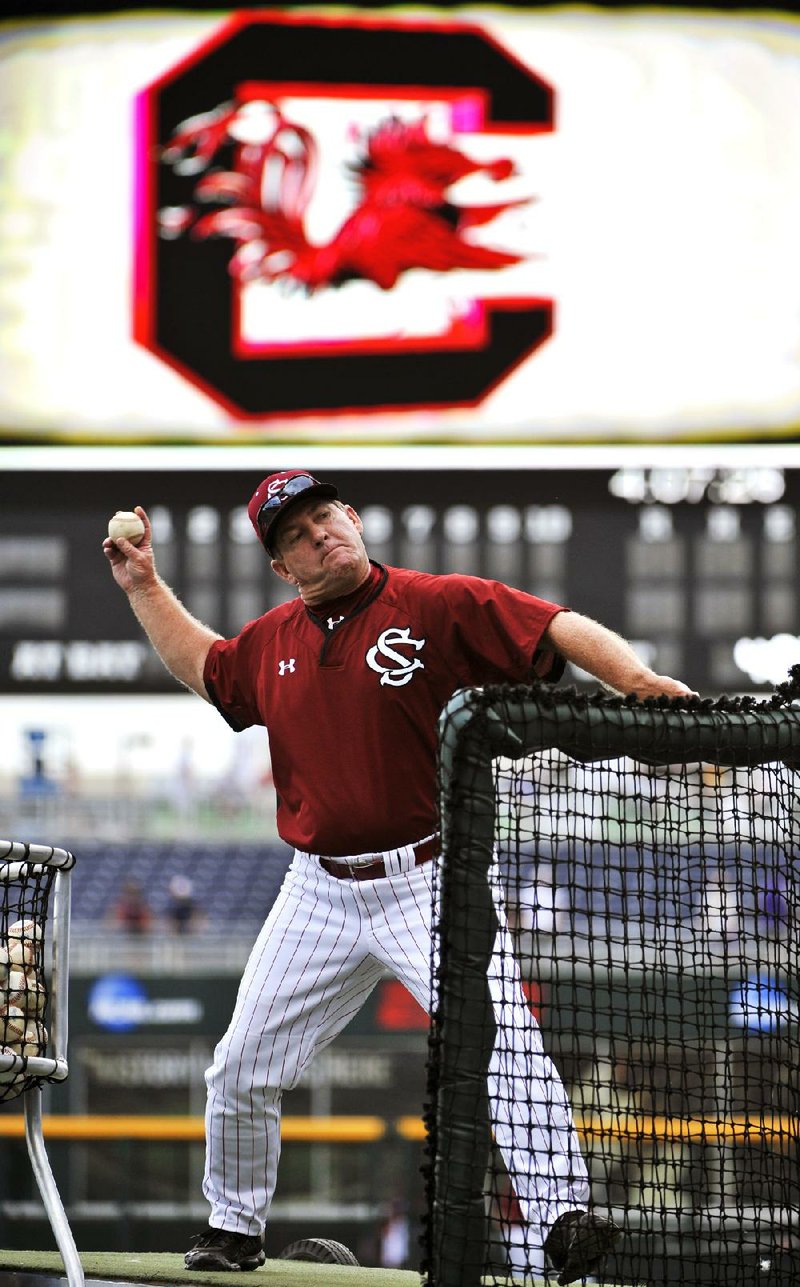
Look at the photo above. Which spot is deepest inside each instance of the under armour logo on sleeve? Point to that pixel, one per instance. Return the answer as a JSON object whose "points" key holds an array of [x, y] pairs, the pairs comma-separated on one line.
{"points": [[284, 666]]}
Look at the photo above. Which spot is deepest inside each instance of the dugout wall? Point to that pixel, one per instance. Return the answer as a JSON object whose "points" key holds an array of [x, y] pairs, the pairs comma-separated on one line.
{"points": [[643, 855]]}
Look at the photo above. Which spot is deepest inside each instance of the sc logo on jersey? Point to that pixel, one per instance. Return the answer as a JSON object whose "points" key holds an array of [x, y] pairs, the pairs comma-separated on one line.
{"points": [[395, 668]]}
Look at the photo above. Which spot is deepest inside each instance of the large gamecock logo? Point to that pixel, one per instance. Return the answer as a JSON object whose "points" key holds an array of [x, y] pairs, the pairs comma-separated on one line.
{"points": [[404, 218], [323, 211]]}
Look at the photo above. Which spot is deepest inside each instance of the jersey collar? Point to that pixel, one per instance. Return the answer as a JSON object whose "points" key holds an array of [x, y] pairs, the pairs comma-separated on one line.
{"points": [[329, 616]]}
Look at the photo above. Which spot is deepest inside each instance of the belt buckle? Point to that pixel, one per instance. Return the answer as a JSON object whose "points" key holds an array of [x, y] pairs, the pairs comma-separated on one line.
{"points": [[355, 869], [375, 860]]}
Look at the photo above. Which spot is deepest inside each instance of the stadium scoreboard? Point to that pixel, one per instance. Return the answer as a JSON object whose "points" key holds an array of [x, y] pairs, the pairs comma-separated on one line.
{"points": [[696, 566]]}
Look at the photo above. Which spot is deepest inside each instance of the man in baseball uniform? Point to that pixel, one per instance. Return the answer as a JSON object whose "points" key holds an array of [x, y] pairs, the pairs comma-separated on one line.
{"points": [[349, 679]]}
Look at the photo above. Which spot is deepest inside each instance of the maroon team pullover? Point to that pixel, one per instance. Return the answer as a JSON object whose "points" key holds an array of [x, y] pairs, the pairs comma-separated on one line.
{"points": [[351, 699]]}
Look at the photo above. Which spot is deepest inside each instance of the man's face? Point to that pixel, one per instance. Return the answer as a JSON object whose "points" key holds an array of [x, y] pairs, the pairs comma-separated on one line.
{"points": [[318, 548]]}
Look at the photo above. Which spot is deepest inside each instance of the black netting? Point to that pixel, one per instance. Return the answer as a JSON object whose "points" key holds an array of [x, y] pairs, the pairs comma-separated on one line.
{"points": [[616, 991], [24, 988]]}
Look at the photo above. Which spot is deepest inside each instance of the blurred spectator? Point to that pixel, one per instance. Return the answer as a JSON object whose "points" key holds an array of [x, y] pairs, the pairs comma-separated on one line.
{"points": [[182, 786], [539, 907], [774, 911], [37, 781], [601, 1098], [507, 1230], [131, 912], [247, 776], [719, 911], [395, 1236], [671, 1083], [183, 914]]}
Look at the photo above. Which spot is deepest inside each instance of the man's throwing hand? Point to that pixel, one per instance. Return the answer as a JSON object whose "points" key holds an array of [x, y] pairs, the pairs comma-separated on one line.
{"points": [[132, 564]]}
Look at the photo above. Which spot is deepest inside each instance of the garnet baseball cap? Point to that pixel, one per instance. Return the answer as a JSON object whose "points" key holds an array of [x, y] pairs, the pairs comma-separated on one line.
{"points": [[278, 493]]}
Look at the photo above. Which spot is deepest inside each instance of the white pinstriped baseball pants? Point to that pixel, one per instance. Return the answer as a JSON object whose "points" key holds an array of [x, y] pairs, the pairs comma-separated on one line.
{"points": [[323, 947]]}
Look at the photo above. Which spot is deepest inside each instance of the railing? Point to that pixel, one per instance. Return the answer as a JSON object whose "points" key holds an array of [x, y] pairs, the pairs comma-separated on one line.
{"points": [[772, 1130], [310, 1130], [126, 815], [125, 1218], [663, 1226]]}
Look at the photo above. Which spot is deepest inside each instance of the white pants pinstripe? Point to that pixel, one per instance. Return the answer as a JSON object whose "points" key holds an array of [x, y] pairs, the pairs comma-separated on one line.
{"points": [[321, 951]]}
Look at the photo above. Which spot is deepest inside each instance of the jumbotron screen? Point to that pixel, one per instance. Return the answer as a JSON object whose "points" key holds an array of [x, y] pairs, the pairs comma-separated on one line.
{"points": [[696, 565], [554, 225]]}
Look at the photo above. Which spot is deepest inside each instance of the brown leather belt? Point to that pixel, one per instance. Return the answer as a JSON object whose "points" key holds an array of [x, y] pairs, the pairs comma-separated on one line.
{"points": [[423, 852]]}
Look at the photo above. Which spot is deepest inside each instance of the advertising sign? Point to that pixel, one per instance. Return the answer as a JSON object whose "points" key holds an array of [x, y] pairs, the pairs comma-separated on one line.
{"points": [[543, 226]]}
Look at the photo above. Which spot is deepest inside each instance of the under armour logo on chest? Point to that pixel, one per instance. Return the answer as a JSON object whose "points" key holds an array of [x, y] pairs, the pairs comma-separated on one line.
{"points": [[334, 621], [284, 666]]}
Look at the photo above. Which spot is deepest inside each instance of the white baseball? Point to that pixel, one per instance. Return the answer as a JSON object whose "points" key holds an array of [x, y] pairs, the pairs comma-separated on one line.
{"points": [[126, 523], [24, 990], [5, 963], [34, 1038], [25, 929], [12, 1028], [22, 939]]}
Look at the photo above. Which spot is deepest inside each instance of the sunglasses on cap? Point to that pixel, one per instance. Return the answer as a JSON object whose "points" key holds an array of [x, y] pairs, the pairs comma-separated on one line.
{"points": [[287, 491]]}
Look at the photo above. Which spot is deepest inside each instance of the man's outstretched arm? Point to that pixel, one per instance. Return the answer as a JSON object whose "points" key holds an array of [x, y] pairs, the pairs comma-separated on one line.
{"points": [[180, 640], [608, 657]]}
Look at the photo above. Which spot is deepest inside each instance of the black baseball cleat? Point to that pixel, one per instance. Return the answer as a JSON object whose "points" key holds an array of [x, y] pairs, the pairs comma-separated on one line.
{"points": [[221, 1249], [578, 1243]]}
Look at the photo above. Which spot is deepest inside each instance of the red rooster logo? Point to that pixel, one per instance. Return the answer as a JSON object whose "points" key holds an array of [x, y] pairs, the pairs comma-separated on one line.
{"points": [[403, 218]]}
